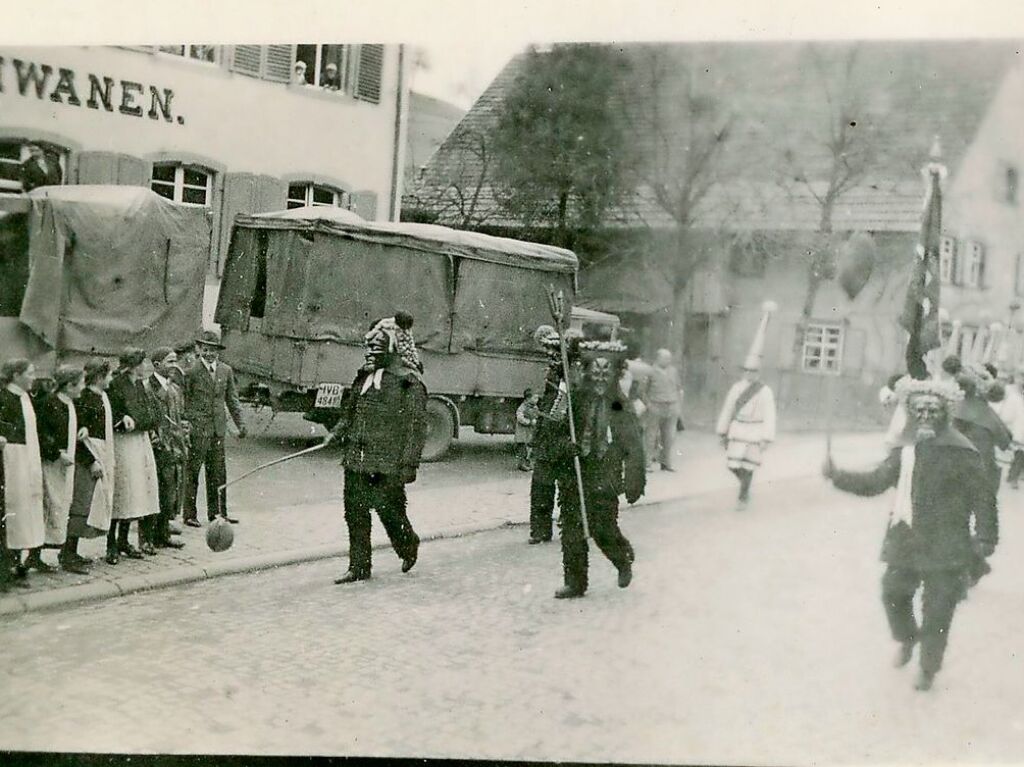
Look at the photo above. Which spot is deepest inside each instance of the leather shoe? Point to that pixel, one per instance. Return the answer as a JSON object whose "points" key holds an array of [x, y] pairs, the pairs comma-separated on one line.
{"points": [[148, 549], [131, 552], [193, 523], [72, 567], [112, 558], [410, 561], [626, 575], [169, 544], [40, 566], [352, 576], [568, 592], [232, 520], [924, 681]]}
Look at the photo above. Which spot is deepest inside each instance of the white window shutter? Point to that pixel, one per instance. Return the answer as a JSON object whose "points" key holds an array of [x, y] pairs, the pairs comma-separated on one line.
{"points": [[246, 59], [368, 73], [277, 63]]}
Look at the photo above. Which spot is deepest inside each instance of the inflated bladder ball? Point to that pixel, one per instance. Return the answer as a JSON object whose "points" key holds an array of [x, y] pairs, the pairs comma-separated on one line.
{"points": [[220, 535]]}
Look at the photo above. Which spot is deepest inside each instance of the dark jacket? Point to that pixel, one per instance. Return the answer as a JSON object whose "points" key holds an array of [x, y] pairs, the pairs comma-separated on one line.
{"points": [[130, 398], [548, 443], [383, 431], [52, 419], [949, 484], [90, 414], [206, 396], [12, 424], [172, 434]]}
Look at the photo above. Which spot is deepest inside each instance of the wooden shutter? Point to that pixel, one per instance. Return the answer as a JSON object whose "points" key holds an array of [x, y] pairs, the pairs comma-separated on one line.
{"points": [[239, 197], [133, 171], [277, 63], [365, 204], [97, 168], [368, 73], [271, 194], [247, 59]]}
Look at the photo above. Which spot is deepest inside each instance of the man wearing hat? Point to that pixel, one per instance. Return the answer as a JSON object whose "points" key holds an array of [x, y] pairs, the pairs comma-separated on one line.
{"points": [[382, 429], [209, 390], [552, 407], [169, 443], [746, 424], [940, 482], [330, 79]]}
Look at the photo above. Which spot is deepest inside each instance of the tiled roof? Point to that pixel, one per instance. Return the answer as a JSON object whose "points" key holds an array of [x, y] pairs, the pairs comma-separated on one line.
{"points": [[775, 159]]}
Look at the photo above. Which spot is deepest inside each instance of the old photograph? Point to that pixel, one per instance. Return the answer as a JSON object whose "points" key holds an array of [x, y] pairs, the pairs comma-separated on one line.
{"points": [[614, 382]]}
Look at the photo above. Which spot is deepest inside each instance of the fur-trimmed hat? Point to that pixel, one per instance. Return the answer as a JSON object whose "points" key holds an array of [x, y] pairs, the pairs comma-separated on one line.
{"points": [[947, 390]]}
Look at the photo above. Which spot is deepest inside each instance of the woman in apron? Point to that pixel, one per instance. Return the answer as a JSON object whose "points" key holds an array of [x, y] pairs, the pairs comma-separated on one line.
{"points": [[93, 495], [136, 492], [23, 471], [58, 447]]}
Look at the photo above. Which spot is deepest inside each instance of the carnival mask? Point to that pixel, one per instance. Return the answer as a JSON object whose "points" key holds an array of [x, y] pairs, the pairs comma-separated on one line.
{"points": [[600, 374], [928, 415]]}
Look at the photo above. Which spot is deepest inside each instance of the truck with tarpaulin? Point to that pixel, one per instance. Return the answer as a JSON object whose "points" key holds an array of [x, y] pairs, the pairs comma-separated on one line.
{"points": [[302, 287], [88, 270]]}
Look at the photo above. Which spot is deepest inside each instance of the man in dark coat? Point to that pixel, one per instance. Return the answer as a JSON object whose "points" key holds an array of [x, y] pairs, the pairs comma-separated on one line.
{"points": [[940, 483], [547, 440], [611, 454], [209, 388], [382, 430]]}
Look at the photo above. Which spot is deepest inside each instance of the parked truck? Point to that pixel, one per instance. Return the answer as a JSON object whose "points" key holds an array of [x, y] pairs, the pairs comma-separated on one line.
{"points": [[301, 288], [87, 270]]}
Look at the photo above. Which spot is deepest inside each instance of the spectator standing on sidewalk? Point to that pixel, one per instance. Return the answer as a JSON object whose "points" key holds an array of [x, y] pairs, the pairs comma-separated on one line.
{"points": [[382, 430], [526, 420], [663, 400], [170, 440]]}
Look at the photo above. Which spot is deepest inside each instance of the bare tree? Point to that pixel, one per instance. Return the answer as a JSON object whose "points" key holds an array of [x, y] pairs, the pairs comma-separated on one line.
{"points": [[461, 193]]}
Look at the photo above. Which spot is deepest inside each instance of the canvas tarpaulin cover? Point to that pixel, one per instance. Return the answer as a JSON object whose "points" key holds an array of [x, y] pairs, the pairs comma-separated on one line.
{"points": [[328, 281], [111, 266]]}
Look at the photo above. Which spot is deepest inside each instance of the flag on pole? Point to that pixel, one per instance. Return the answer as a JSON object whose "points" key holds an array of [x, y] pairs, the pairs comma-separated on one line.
{"points": [[921, 310]]}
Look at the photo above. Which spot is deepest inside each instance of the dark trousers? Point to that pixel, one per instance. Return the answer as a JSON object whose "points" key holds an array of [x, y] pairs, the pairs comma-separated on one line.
{"points": [[744, 476], [384, 493], [207, 452], [602, 520], [1016, 467], [168, 475], [542, 500], [942, 590]]}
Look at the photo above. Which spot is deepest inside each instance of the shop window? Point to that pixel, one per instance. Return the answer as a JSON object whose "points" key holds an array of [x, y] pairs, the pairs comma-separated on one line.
{"points": [[25, 165], [326, 67], [947, 260], [189, 184], [303, 194], [208, 54], [974, 265], [823, 348]]}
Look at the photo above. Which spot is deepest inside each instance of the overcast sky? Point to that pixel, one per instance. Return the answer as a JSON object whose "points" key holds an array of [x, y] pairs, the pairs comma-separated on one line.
{"points": [[461, 73]]}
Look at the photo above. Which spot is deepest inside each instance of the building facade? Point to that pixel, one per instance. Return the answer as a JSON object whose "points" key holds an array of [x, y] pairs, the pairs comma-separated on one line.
{"points": [[234, 129]]}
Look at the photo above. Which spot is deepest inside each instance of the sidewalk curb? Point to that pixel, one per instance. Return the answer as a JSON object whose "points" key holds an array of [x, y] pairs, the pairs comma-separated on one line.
{"points": [[177, 576]]}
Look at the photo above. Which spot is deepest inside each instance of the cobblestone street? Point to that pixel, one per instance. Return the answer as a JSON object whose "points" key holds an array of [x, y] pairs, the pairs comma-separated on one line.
{"points": [[752, 637]]}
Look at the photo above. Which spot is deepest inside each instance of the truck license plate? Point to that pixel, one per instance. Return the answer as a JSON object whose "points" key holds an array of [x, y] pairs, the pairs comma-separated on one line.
{"points": [[329, 395]]}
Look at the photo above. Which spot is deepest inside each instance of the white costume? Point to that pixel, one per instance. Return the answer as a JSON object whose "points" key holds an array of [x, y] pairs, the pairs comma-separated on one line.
{"points": [[752, 426]]}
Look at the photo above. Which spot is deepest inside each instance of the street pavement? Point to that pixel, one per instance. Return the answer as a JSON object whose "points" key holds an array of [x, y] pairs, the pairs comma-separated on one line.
{"points": [[294, 512], [750, 637]]}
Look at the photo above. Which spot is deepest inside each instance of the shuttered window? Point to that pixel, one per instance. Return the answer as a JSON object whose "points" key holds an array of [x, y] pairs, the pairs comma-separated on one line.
{"points": [[268, 62], [368, 73], [189, 184]]}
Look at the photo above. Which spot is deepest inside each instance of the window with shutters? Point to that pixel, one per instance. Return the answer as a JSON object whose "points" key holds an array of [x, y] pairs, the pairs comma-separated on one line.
{"points": [[303, 194], [325, 66], [368, 73], [188, 184], [947, 260], [823, 348], [974, 265], [207, 54], [268, 62], [25, 165]]}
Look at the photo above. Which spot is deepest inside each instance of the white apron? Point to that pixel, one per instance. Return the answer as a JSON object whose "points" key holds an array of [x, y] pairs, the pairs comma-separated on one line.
{"points": [[103, 453], [136, 493], [58, 484], [23, 497]]}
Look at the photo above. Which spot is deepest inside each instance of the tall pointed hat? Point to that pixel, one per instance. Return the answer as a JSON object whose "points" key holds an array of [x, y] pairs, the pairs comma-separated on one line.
{"points": [[756, 352]]}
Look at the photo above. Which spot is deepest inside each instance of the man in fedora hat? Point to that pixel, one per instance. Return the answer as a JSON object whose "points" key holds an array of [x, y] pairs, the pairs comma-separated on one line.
{"points": [[209, 389]]}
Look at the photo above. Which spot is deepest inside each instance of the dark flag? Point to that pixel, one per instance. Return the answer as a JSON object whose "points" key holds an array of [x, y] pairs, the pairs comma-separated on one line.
{"points": [[920, 315]]}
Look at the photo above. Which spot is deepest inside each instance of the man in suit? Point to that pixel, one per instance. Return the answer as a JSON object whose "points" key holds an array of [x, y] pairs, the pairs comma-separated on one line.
{"points": [[209, 388]]}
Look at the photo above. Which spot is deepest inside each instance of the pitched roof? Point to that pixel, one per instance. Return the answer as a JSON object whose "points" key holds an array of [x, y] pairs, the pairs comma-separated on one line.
{"points": [[782, 98]]}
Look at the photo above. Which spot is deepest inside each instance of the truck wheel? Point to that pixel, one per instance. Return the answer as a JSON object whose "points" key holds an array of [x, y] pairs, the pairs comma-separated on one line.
{"points": [[440, 426]]}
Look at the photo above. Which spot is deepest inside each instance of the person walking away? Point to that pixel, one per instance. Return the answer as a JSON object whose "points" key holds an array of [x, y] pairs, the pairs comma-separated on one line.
{"points": [[940, 481], [169, 443], [209, 389], [526, 420], [382, 429], [611, 459], [62, 457], [746, 424], [136, 491], [92, 497], [663, 400], [23, 470]]}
